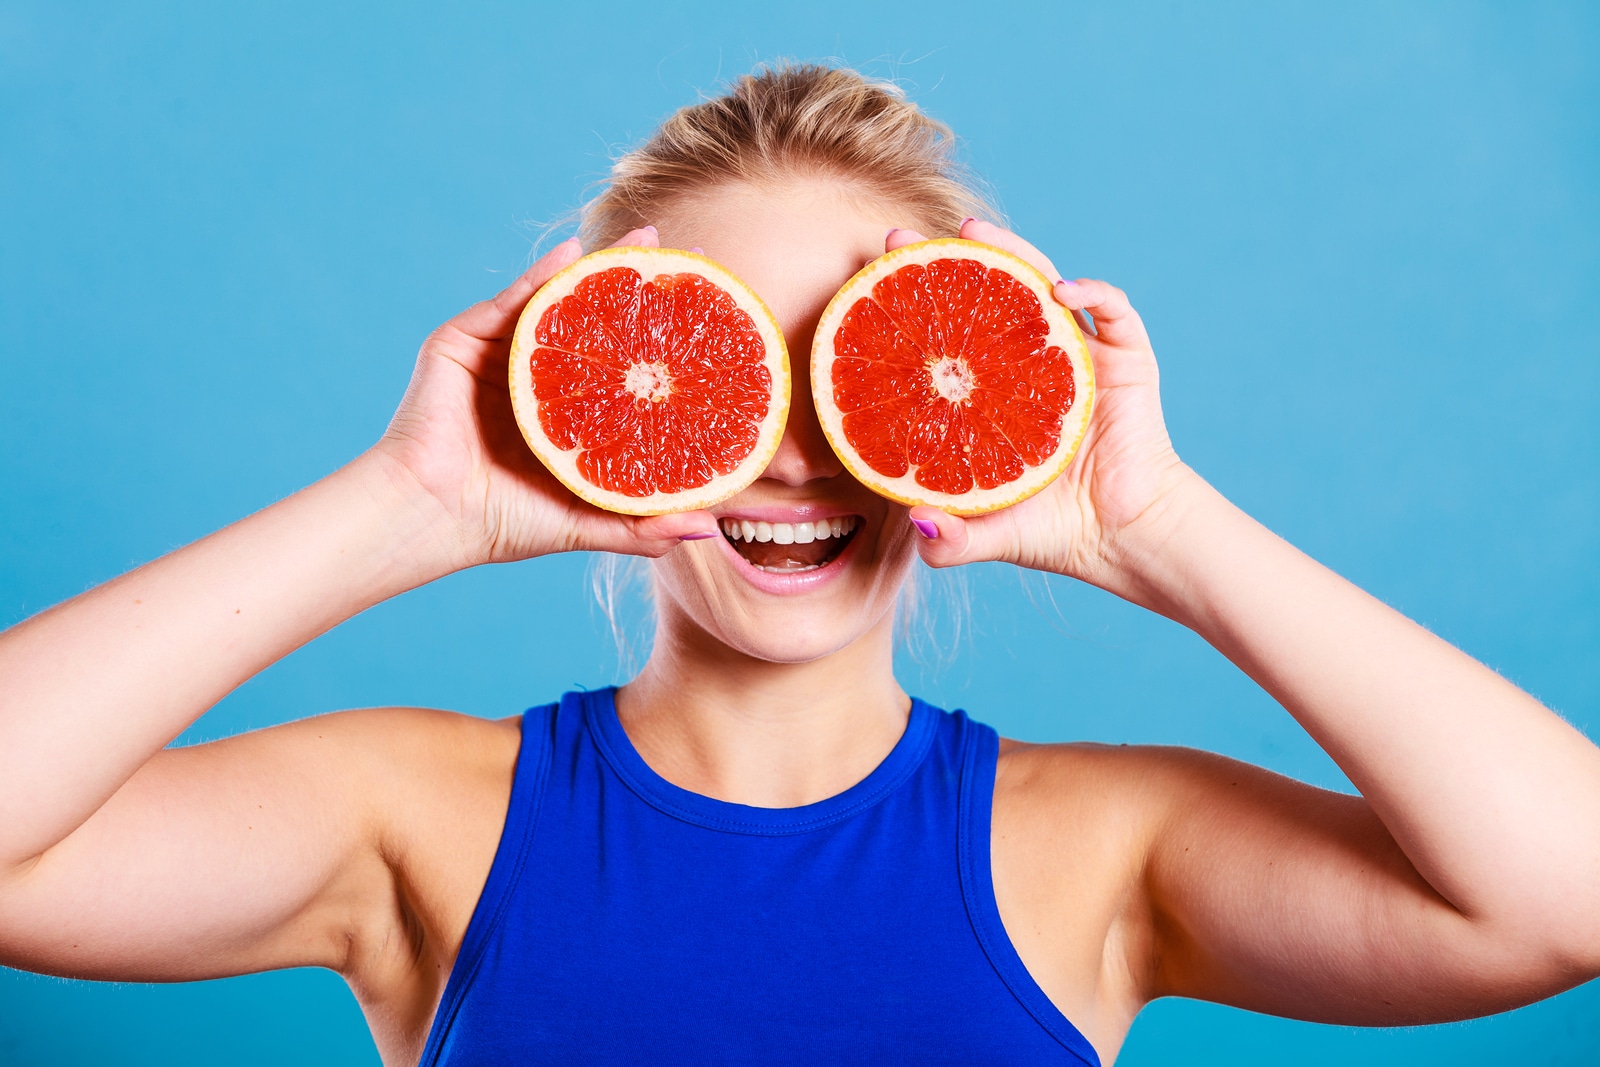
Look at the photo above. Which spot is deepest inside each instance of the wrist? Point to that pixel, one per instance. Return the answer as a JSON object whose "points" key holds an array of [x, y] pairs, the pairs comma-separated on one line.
{"points": [[1150, 560], [411, 534]]}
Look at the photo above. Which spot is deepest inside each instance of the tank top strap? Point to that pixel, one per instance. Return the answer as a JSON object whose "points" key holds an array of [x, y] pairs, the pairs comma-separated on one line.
{"points": [[979, 764], [538, 729]]}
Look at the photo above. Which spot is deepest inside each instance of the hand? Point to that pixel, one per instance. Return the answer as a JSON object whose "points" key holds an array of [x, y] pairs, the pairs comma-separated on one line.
{"points": [[456, 439], [1124, 472]]}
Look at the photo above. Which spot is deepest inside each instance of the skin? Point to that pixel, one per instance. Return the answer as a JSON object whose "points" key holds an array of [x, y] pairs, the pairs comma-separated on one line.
{"points": [[1460, 882]]}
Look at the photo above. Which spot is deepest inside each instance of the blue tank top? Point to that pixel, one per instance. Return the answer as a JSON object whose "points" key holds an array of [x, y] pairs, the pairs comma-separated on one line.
{"points": [[626, 920]]}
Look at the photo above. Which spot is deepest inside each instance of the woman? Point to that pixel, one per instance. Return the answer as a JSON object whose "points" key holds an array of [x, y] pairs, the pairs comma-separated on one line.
{"points": [[760, 849]]}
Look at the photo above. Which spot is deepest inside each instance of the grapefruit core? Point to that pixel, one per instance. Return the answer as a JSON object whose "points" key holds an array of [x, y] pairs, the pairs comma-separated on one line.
{"points": [[946, 373], [649, 380]]}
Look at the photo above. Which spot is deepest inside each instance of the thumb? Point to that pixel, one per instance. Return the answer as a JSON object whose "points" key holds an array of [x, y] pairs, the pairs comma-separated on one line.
{"points": [[494, 319], [656, 535], [945, 540]]}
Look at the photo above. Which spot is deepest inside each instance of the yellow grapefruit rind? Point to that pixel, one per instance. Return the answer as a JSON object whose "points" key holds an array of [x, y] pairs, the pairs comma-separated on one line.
{"points": [[649, 262], [1064, 333]]}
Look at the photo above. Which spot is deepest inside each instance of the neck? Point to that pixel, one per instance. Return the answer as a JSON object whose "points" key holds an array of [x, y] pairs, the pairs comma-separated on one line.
{"points": [[726, 725]]}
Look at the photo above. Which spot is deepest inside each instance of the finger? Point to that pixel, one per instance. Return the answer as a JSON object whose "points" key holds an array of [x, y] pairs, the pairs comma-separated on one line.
{"points": [[899, 238], [494, 320], [1084, 320], [945, 540], [598, 530], [1003, 239], [1115, 321], [643, 237], [656, 535]]}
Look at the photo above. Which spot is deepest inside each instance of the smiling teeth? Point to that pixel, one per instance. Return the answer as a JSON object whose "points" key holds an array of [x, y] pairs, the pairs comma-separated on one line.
{"points": [[788, 533]]}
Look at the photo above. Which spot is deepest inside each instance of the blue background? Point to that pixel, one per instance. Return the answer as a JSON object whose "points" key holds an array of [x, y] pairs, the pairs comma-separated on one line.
{"points": [[1364, 237]]}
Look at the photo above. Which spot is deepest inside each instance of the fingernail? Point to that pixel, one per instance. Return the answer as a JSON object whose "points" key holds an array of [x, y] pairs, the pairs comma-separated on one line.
{"points": [[926, 528], [697, 250], [1065, 282], [699, 536], [969, 218], [652, 229], [891, 232]]}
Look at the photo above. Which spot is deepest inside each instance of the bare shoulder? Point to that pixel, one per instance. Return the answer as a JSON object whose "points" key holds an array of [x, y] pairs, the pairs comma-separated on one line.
{"points": [[440, 784], [1082, 784], [1071, 837], [434, 787], [417, 767], [1086, 804], [447, 780], [1074, 820], [418, 750]]}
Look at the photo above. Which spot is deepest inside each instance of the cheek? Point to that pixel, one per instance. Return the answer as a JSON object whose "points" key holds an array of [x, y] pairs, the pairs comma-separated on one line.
{"points": [[897, 540], [687, 581]]}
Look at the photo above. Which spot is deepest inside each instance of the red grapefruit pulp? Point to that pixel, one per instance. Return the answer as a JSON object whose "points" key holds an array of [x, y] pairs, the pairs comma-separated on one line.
{"points": [[650, 380], [945, 373]]}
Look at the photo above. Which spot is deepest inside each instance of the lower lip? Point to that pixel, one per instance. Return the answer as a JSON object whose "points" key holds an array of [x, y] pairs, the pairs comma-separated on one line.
{"points": [[799, 581]]}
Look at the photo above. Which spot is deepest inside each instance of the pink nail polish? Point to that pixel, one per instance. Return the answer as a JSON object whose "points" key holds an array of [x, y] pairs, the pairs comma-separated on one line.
{"points": [[700, 535], [697, 250], [926, 528], [652, 229], [891, 232], [969, 218]]}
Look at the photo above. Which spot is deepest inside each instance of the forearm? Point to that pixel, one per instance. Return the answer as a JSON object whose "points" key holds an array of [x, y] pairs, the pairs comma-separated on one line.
{"points": [[92, 688], [1493, 798]]}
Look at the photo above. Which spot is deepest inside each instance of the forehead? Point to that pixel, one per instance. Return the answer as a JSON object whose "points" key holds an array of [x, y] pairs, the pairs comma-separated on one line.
{"points": [[794, 243]]}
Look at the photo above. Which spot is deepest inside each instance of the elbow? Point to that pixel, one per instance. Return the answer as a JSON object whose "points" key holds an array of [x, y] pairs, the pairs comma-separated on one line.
{"points": [[1564, 966], [1557, 947], [1532, 928], [1574, 930], [1581, 955]]}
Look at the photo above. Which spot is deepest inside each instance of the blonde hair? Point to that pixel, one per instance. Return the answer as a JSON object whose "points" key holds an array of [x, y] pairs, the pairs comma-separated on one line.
{"points": [[778, 123], [794, 121]]}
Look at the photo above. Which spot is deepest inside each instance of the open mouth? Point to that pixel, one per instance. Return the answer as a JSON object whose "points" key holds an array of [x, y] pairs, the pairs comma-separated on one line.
{"points": [[790, 547]]}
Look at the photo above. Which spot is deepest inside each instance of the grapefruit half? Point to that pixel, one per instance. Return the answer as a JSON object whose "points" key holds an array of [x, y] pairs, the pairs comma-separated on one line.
{"points": [[650, 380], [945, 373]]}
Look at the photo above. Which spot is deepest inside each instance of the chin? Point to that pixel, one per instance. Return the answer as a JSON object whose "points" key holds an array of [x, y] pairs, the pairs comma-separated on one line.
{"points": [[710, 593], [793, 640]]}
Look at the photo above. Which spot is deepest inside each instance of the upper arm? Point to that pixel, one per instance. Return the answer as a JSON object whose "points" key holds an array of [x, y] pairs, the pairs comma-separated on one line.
{"points": [[271, 849], [1272, 895]]}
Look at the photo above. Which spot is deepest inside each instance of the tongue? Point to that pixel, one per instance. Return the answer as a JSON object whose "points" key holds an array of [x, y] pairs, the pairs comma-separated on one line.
{"points": [[787, 557]]}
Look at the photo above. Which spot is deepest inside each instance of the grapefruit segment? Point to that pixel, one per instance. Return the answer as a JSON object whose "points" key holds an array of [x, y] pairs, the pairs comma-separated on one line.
{"points": [[649, 380], [945, 373]]}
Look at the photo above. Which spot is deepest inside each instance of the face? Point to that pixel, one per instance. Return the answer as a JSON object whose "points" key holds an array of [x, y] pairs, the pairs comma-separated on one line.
{"points": [[798, 596]]}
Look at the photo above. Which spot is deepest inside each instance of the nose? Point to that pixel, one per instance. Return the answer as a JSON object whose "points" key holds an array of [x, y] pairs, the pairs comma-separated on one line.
{"points": [[804, 454]]}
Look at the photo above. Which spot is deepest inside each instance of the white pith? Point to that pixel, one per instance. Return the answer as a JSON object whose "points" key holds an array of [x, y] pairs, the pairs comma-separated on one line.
{"points": [[948, 381], [648, 381], [952, 379]]}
